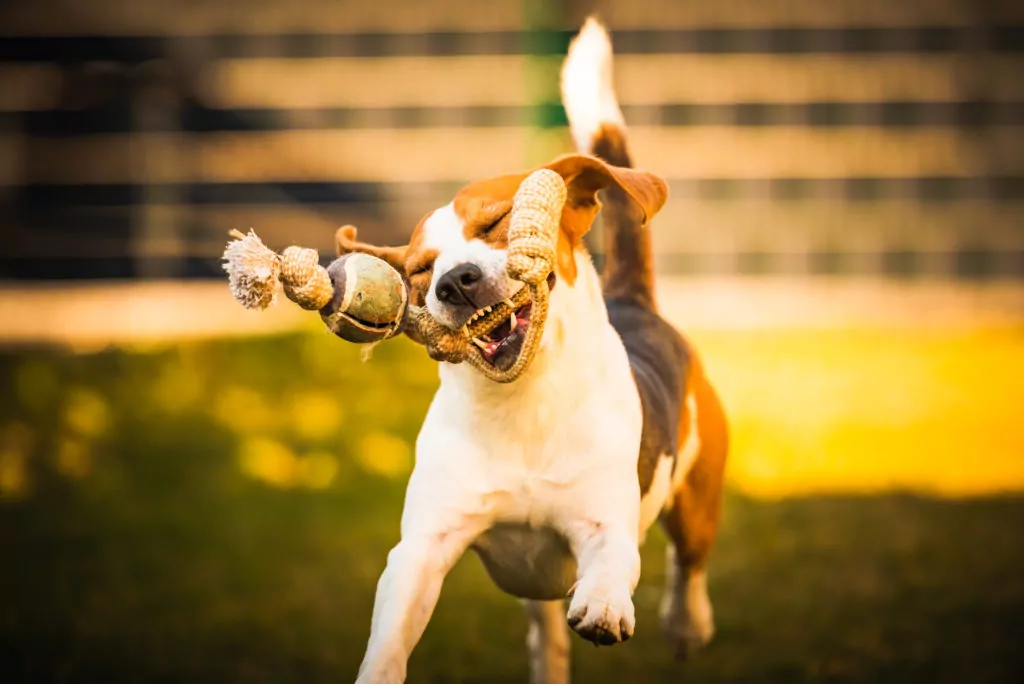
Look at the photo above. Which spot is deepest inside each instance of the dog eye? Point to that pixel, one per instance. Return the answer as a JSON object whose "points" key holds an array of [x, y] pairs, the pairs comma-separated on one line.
{"points": [[494, 225], [420, 270]]}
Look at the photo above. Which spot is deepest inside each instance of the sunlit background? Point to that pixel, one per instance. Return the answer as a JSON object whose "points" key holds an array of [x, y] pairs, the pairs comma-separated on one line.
{"points": [[193, 492]]}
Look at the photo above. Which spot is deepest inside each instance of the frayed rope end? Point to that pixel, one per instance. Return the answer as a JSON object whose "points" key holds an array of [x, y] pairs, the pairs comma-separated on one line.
{"points": [[253, 270], [366, 352]]}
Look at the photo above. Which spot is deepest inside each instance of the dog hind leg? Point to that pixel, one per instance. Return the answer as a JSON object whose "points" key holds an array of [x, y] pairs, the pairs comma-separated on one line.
{"points": [[547, 642], [691, 524]]}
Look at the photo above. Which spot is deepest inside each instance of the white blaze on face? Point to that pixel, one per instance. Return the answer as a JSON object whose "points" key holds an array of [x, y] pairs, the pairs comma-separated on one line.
{"points": [[444, 232]]}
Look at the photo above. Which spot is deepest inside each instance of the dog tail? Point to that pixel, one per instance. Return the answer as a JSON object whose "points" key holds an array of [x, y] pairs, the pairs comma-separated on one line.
{"points": [[598, 128]]}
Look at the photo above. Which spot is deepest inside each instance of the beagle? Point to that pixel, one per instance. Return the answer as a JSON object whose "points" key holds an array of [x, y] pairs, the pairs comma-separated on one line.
{"points": [[554, 480]]}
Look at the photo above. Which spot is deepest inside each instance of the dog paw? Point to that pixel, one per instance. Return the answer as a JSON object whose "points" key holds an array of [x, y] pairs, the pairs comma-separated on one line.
{"points": [[687, 627], [686, 638], [382, 670], [381, 677], [601, 617]]}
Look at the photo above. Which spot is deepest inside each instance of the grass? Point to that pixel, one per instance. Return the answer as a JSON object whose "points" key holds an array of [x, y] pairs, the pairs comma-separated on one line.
{"points": [[220, 511]]}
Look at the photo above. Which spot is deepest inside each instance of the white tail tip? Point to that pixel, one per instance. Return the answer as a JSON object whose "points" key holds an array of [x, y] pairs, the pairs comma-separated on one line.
{"points": [[588, 93]]}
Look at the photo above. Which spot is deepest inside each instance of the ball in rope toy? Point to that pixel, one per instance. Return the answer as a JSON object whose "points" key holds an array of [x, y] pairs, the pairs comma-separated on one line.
{"points": [[370, 300], [360, 298], [363, 299]]}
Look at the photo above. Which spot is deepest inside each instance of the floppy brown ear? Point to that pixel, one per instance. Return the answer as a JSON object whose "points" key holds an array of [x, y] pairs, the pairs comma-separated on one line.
{"points": [[345, 240], [584, 176]]}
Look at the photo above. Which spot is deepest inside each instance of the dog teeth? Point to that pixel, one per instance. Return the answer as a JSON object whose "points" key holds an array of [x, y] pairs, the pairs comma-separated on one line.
{"points": [[508, 301], [487, 309], [512, 321], [480, 343]]}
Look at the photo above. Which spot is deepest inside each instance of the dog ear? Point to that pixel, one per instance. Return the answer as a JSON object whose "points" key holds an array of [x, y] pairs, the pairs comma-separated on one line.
{"points": [[345, 239], [584, 177]]}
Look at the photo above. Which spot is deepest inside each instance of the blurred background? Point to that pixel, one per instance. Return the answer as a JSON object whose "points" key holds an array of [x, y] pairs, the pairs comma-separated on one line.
{"points": [[191, 491]]}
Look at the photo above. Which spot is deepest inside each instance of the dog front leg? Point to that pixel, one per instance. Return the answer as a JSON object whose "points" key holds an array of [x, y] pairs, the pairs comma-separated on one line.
{"points": [[601, 609], [406, 596]]}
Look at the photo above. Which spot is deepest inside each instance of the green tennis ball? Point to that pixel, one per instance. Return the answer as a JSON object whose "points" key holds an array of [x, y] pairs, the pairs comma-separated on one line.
{"points": [[370, 300]]}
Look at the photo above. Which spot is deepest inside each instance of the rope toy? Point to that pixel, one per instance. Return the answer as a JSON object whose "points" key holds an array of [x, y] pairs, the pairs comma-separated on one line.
{"points": [[363, 299]]}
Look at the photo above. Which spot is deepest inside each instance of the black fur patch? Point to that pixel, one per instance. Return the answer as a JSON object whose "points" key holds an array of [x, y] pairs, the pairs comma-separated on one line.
{"points": [[660, 360]]}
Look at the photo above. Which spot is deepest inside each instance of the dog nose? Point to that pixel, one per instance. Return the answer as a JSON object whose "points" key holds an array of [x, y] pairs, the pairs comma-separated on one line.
{"points": [[458, 285]]}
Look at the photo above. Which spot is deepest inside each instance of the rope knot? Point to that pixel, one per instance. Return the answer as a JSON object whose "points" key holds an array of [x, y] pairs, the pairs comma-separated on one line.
{"points": [[305, 281], [442, 344]]}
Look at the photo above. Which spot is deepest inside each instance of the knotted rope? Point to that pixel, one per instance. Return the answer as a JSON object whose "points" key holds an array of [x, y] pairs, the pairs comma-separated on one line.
{"points": [[253, 272]]}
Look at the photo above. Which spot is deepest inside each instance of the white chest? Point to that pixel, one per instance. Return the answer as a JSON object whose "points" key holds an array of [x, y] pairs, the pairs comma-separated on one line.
{"points": [[525, 462]]}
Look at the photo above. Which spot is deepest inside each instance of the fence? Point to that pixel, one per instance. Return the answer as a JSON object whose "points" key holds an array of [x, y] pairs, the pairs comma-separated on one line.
{"points": [[799, 137]]}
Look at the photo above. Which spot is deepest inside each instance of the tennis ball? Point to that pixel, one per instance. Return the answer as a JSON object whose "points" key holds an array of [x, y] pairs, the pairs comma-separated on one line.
{"points": [[370, 300]]}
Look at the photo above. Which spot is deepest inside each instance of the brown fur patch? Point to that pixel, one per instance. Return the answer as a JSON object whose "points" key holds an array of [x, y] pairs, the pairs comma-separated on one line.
{"points": [[629, 262], [420, 273], [692, 524], [345, 240], [565, 257], [585, 176], [484, 208], [419, 265]]}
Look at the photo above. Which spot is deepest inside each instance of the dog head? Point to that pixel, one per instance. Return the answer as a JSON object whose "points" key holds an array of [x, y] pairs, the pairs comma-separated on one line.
{"points": [[455, 261]]}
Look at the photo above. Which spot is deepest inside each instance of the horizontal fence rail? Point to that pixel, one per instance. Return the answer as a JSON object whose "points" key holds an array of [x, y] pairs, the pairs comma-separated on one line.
{"points": [[798, 137], [203, 17]]}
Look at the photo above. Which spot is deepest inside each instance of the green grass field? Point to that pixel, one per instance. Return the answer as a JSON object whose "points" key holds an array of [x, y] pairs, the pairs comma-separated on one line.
{"points": [[220, 511]]}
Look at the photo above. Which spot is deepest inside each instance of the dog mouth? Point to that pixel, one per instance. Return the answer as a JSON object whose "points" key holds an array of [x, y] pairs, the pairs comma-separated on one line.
{"points": [[499, 330], [500, 346]]}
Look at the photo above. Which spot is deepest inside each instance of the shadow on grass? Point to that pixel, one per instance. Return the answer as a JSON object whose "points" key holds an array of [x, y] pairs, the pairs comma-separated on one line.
{"points": [[144, 537]]}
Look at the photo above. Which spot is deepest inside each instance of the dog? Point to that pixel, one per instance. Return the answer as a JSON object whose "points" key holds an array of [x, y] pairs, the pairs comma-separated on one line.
{"points": [[553, 480]]}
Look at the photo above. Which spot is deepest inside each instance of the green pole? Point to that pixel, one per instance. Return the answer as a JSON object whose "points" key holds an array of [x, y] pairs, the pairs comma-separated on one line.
{"points": [[547, 33], [545, 42]]}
